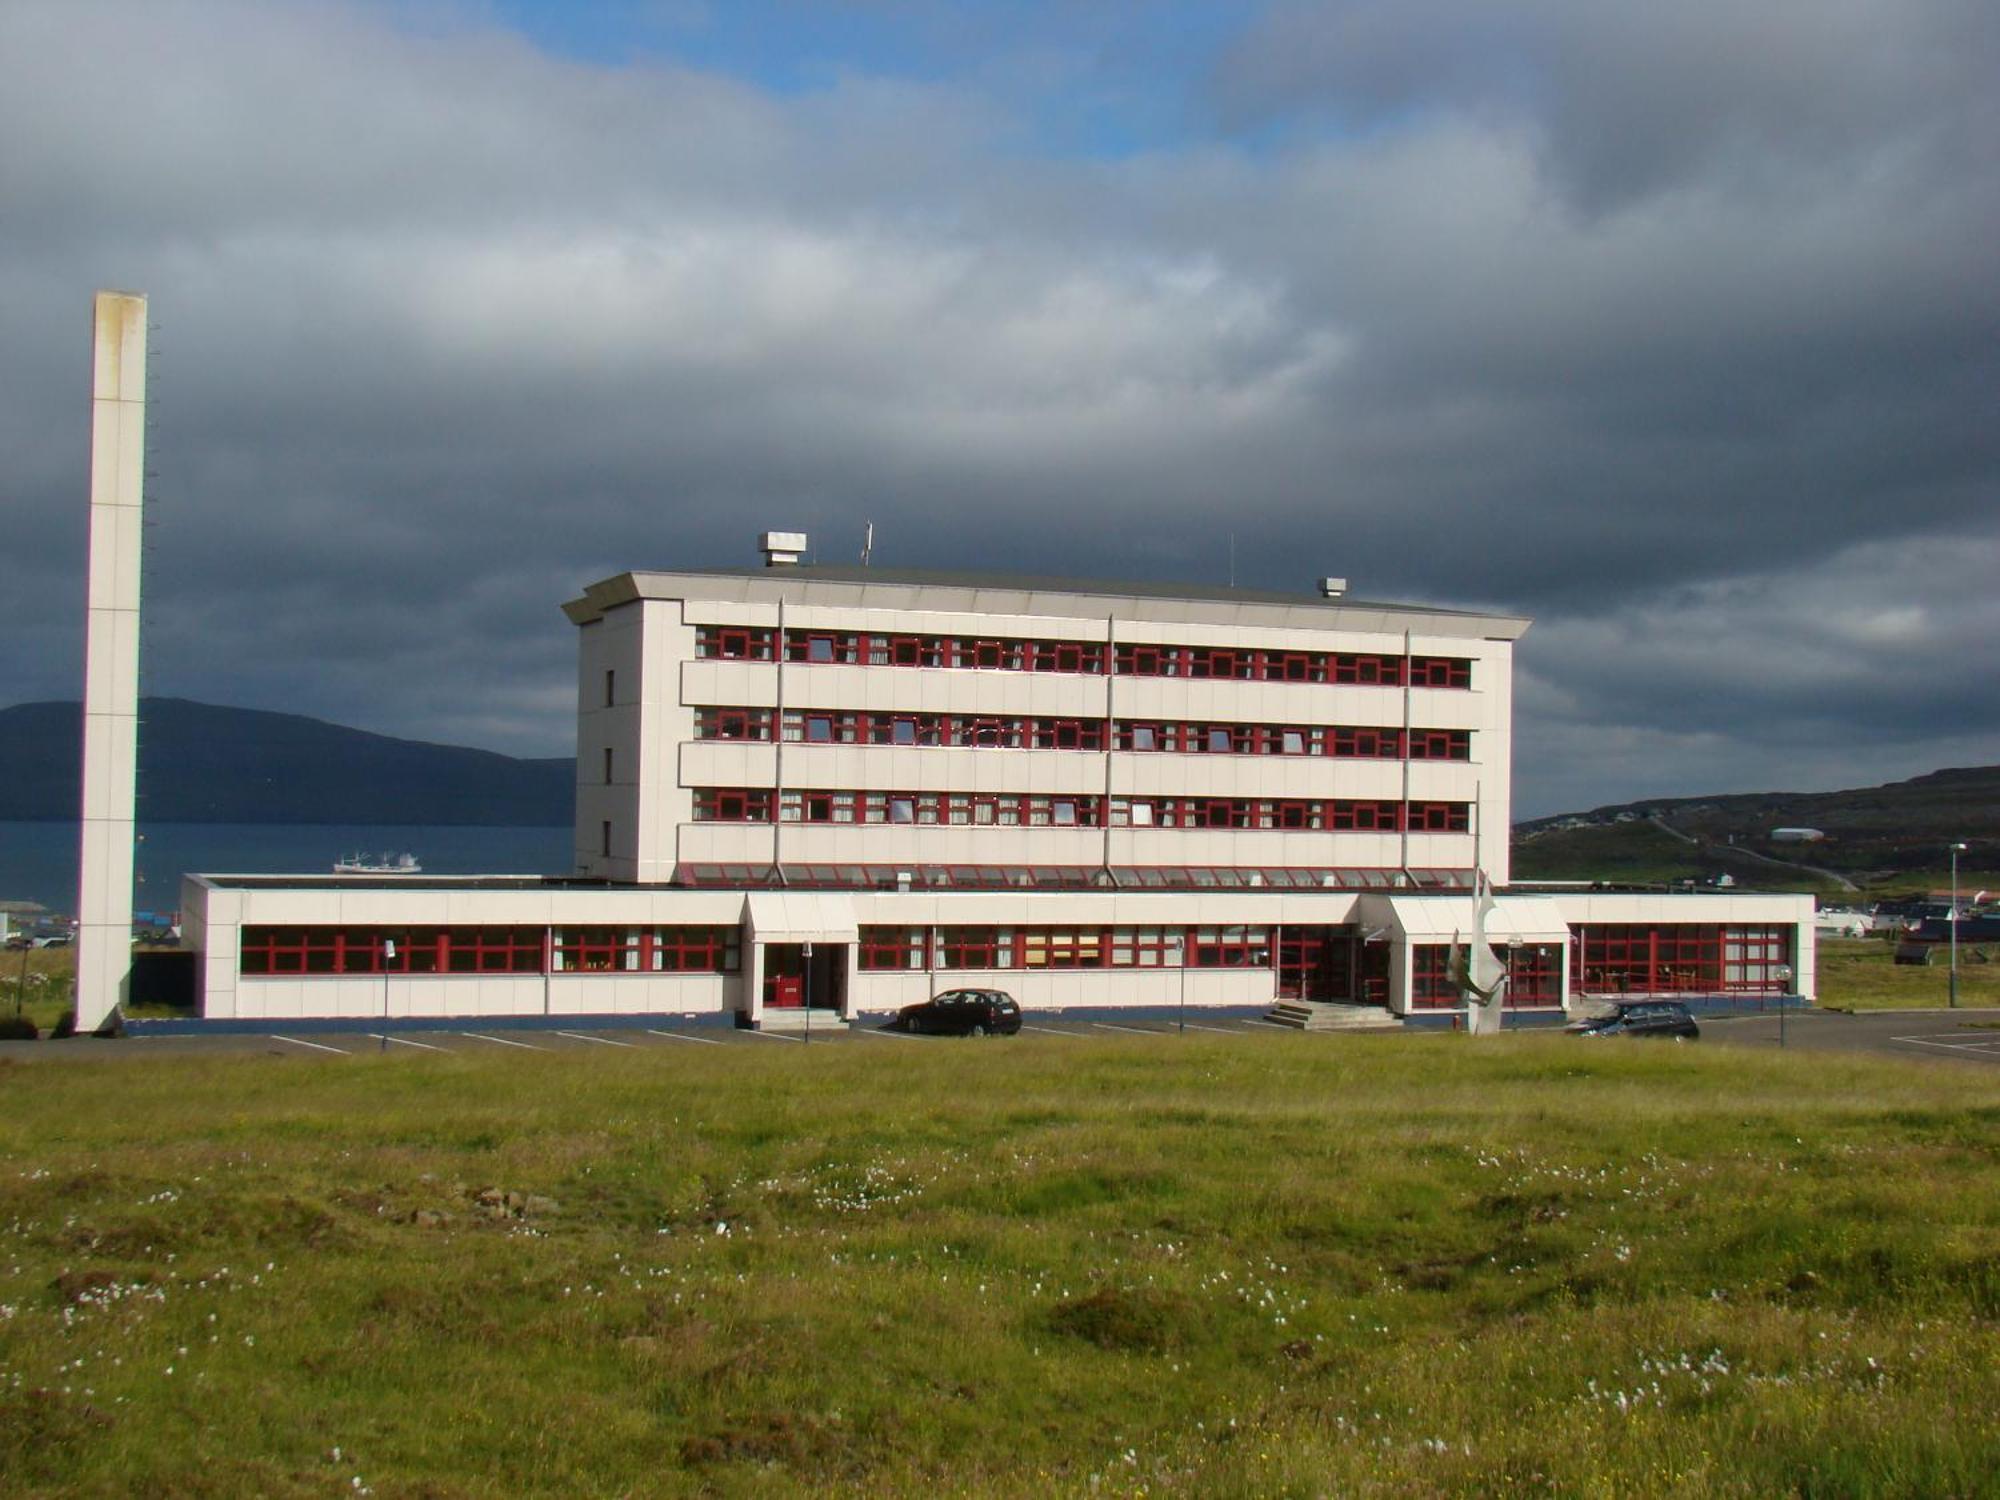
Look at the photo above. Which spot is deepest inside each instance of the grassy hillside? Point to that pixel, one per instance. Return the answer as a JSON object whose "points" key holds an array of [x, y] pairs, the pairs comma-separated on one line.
{"points": [[1889, 839], [1278, 1264]]}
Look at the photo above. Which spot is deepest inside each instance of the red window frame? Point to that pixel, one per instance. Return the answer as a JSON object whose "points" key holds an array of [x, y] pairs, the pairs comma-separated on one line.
{"points": [[884, 948], [975, 948]]}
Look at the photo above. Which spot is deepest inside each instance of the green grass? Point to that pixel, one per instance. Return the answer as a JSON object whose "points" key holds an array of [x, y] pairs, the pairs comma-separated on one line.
{"points": [[36, 983], [1862, 974], [1275, 1264]]}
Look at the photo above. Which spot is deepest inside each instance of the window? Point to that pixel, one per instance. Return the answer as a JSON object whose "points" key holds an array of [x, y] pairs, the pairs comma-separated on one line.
{"points": [[1440, 744], [733, 724], [732, 643], [891, 948], [610, 687], [1061, 948], [1440, 817], [1382, 671], [1367, 817], [731, 805], [1144, 947], [696, 950], [975, 948], [1230, 948], [607, 765], [1367, 743], [596, 949], [1440, 672], [604, 846], [493, 950]]}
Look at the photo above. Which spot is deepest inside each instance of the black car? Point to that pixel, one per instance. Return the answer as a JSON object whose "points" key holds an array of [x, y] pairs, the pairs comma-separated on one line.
{"points": [[1641, 1018], [964, 1013]]}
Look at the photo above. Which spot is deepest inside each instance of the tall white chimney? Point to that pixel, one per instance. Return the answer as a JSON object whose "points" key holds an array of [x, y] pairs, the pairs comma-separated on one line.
{"points": [[111, 656]]}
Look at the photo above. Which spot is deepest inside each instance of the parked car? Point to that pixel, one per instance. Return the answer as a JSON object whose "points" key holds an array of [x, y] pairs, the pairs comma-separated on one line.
{"points": [[964, 1013], [1641, 1018]]}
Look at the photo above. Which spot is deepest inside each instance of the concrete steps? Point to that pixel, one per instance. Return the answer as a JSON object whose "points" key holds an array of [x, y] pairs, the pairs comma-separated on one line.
{"points": [[792, 1021], [1326, 1015]]}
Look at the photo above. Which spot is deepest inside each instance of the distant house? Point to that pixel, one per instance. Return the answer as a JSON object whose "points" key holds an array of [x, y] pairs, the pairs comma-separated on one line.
{"points": [[1797, 836]]}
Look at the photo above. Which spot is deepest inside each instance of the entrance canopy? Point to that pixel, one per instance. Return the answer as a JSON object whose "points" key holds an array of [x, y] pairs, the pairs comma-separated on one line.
{"points": [[799, 917], [1435, 919]]}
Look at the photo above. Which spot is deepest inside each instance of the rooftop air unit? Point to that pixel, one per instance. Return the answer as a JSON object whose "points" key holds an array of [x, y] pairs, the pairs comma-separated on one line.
{"points": [[782, 549]]}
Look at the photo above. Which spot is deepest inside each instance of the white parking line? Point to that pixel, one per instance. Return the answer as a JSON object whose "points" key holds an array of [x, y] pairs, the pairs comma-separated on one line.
{"points": [[894, 1036], [1253, 1021], [402, 1041], [602, 1041], [1955, 1044], [1218, 1030], [297, 1043], [1047, 1030], [1135, 1030], [779, 1036], [480, 1036], [682, 1036]]}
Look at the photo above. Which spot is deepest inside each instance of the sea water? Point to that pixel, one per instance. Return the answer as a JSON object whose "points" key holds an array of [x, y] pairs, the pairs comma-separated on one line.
{"points": [[38, 861]]}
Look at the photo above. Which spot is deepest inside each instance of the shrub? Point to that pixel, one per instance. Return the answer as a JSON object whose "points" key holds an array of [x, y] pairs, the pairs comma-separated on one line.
{"points": [[65, 1025], [17, 1029]]}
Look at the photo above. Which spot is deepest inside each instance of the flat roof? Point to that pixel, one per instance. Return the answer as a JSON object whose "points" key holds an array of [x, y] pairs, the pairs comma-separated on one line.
{"points": [[976, 592]]}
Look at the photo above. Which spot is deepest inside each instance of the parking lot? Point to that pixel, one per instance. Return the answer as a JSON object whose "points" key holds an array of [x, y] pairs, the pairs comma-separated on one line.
{"points": [[304, 1041], [1969, 1037]]}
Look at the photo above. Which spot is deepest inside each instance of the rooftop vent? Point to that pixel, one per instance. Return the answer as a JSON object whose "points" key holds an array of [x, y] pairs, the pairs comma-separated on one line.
{"points": [[782, 549], [1332, 588]]}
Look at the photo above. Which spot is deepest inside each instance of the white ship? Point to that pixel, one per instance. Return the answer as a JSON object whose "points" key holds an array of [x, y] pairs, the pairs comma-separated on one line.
{"points": [[387, 864]]}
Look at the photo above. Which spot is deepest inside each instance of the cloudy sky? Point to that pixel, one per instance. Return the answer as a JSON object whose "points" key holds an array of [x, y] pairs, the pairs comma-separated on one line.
{"points": [[1675, 327]]}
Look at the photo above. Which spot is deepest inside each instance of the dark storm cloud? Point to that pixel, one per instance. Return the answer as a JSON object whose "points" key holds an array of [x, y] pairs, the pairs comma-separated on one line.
{"points": [[1677, 331]]}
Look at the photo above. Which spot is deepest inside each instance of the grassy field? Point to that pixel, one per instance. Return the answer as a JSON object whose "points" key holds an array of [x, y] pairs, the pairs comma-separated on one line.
{"points": [[1861, 974], [1274, 1264]]}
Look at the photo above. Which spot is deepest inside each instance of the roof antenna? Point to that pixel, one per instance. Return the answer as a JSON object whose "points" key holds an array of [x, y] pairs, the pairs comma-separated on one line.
{"points": [[867, 542]]}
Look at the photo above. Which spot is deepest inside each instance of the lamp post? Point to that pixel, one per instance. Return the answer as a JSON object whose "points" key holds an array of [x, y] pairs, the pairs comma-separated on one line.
{"points": [[388, 957], [806, 953], [1180, 959], [1783, 974], [1952, 993]]}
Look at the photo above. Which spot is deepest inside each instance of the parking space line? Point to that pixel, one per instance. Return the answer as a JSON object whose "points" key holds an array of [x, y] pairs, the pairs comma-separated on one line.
{"points": [[602, 1041], [1218, 1030], [1135, 1030], [1969, 1044], [402, 1041], [1047, 1030], [481, 1036], [894, 1036], [319, 1046], [1253, 1021], [681, 1036]]}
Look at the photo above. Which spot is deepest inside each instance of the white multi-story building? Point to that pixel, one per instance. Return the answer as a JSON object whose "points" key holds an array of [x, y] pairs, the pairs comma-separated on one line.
{"points": [[843, 788]]}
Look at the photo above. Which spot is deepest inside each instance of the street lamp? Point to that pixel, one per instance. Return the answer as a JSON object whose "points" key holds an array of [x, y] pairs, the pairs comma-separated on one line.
{"points": [[1180, 962], [1783, 974], [1956, 850], [388, 958]]}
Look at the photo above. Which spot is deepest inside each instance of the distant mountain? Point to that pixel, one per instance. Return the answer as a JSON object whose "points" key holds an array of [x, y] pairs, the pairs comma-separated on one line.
{"points": [[1870, 832], [200, 763]]}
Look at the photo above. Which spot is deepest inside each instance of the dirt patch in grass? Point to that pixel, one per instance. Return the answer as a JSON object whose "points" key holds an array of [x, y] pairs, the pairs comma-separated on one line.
{"points": [[772, 1437], [1136, 1320]]}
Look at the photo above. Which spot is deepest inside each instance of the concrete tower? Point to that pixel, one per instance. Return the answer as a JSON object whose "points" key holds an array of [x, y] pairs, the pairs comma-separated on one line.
{"points": [[111, 656]]}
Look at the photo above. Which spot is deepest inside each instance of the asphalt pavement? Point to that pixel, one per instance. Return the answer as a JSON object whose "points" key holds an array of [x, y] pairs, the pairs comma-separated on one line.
{"points": [[1948, 1036]]}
